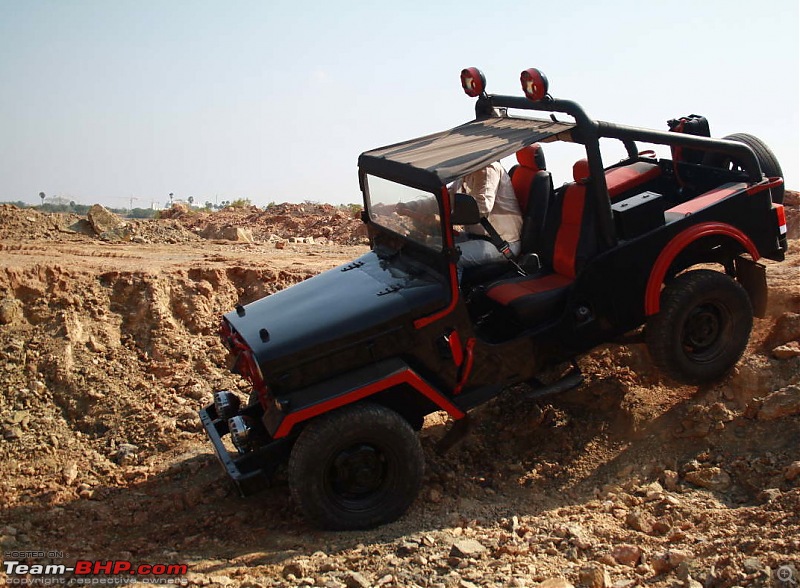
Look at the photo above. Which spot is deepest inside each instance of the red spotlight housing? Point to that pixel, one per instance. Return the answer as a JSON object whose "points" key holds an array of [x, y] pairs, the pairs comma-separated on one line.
{"points": [[473, 81], [534, 84]]}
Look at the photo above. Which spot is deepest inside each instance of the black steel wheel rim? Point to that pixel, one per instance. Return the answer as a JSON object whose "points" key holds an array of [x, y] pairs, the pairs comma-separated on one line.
{"points": [[705, 332], [359, 476]]}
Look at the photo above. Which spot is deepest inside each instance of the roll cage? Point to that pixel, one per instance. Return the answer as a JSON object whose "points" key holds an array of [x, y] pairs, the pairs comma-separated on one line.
{"points": [[432, 161]]}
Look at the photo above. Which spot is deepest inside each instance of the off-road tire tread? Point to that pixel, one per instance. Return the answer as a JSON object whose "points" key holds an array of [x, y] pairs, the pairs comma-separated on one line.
{"points": [[366, 419], [662, 333]]}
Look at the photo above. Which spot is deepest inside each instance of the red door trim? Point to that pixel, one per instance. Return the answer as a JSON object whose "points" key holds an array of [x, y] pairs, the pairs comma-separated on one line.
{"points": [[447, 229]]}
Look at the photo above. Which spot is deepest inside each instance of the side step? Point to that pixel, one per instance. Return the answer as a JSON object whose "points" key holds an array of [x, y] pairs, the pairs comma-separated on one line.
{"points": [[572, 379]]}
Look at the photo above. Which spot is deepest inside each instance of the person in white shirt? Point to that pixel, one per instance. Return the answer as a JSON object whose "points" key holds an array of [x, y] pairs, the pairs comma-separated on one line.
{"points": [[492, 190]]}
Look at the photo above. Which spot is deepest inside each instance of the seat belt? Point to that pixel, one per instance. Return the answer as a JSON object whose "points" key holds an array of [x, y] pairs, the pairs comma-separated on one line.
{"points": [[502, 245]]}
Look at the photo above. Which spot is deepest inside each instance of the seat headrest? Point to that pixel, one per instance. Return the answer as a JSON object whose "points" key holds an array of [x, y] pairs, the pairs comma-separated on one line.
{"points": [[580, 171], [532, 157]]}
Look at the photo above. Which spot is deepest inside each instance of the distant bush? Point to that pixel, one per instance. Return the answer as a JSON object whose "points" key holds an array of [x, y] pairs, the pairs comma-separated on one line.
{"points": [[141, 213], [241, 203]]}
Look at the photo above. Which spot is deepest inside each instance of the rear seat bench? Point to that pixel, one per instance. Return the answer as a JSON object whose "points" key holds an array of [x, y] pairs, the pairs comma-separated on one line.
{"points": [[624, 180]]}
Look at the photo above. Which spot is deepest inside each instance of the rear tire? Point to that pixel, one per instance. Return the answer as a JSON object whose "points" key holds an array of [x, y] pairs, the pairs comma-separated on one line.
{"points": [[702, 328], [766, 159], [355, 468]]}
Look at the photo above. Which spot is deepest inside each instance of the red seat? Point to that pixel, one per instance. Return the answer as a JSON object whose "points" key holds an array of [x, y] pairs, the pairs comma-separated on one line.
{"points": [[533, 299], [531, 161]]}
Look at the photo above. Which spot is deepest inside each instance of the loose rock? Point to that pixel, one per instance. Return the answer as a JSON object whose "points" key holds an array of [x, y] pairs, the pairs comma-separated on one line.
{"points": [[594, 577], [787, 351], [356, 580], [712, 478], [792, 471], [103, 220], [782, 403], [467, 548], [556, 583], [626, 555]]}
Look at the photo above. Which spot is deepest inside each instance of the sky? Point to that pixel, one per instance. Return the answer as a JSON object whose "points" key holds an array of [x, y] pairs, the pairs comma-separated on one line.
{"points": [[122, 102]]}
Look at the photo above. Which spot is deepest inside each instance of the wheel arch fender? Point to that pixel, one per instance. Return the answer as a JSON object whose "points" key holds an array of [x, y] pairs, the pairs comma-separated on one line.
{"points": [[391, 383], [668, 264]]}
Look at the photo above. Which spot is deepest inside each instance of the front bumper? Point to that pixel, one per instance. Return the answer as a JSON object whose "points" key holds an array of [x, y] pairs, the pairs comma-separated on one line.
{"points": [[249, 471]]}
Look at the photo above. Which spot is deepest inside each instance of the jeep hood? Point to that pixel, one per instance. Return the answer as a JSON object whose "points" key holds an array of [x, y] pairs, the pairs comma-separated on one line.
{"points": [[340, 308]]}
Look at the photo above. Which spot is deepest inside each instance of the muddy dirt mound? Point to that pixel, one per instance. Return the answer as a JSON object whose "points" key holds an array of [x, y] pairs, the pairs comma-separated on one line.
{"points": [[29, 223], [108, 349], [306, 223], [320, 223]]}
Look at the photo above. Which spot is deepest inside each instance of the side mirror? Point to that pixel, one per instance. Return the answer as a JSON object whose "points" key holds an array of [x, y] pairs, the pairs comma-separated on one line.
{"points": [[465, 210]]}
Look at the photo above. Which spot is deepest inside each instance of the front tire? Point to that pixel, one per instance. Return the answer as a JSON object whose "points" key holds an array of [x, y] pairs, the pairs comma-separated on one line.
{"points": [[702, 328], [356, 468]]}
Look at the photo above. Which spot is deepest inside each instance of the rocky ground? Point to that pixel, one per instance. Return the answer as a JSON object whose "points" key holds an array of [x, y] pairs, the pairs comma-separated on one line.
{"points": [[108, 347]]}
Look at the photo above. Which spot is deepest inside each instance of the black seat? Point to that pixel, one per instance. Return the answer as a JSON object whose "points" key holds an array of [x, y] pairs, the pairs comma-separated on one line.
{"points": [[533, 187], [533, 219], [568, 242]]}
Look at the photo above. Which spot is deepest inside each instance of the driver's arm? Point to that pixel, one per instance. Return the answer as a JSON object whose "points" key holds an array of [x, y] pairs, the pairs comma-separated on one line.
{"points": [[417, 208]]}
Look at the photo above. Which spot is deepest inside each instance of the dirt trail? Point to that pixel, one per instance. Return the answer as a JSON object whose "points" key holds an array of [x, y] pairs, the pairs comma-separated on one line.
{"points": [[108, 348]]}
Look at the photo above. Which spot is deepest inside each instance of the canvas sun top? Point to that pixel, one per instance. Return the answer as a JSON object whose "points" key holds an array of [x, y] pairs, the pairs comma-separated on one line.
{"points": [[435, 160]]}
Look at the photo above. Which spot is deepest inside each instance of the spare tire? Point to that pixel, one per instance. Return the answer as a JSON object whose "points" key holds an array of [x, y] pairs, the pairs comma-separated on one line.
{"points": [[766, 159]]}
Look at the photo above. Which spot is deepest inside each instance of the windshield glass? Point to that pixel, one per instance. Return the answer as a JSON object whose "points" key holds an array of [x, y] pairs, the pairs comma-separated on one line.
{"points": [[409, 212]]}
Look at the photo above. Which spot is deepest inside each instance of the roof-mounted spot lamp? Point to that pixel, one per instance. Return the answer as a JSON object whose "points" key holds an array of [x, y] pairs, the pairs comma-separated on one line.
{"points": [[534, 84], [473, 81]]}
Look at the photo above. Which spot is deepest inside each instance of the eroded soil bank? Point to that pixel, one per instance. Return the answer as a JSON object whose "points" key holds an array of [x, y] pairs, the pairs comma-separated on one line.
{"points": [[108, 348]]}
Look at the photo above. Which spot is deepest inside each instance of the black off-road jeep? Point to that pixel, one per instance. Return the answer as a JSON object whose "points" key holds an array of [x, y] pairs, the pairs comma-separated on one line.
{"points": [[345, 365]]}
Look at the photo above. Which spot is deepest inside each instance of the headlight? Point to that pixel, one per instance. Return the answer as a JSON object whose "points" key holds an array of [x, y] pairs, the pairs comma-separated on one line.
{"points": [[241, 433], [226, 404]]}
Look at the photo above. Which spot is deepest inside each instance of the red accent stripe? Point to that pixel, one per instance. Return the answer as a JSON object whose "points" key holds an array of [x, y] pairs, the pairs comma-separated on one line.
{"points": [[447, 229], [509, 292], [456, 348], [467, 369], [769, 183], [404, 377], [707, 199], [652, 296], [569, 232], [780, 211]]}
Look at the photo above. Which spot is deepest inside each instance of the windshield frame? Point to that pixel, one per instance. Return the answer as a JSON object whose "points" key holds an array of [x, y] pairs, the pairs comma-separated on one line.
{"points": [[430, 200]]}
